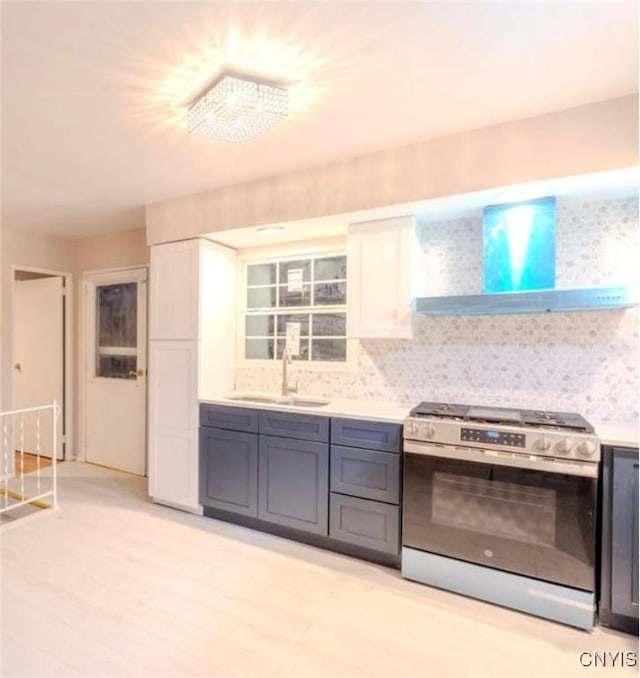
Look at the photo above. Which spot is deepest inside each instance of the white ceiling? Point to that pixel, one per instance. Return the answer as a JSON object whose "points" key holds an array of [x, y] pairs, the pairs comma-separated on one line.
{"points": [[93, 92]]}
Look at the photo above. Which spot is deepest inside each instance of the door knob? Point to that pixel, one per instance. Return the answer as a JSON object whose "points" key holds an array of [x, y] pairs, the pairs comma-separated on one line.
{"points": [[141, 373], [136, 373], [18, 367]]}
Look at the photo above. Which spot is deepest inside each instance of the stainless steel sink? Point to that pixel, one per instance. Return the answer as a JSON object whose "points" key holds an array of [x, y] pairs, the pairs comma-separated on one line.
{"points": [[304, 402], [289, 401], [254, 399]]}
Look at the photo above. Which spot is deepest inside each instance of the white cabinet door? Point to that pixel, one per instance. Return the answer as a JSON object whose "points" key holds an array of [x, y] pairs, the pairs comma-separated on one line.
{"points": [[173, 423], [174, 281], [216, 362], [379, 278]]}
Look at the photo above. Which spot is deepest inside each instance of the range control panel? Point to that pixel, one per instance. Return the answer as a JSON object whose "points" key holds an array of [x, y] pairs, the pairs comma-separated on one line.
{"points": [[489, 437]]}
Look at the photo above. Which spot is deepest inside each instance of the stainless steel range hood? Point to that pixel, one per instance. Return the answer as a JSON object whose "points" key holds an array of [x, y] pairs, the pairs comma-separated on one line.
{"points": [[537, 301]]}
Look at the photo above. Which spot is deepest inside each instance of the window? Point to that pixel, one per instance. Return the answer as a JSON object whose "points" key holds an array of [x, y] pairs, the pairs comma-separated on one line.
{"points": [[116, 330], [311, 292]]}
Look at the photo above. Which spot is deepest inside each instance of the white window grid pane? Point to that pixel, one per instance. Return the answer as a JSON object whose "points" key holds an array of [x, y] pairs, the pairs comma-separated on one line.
{"points": [[309, 313], [310, 310], [312, 279]]}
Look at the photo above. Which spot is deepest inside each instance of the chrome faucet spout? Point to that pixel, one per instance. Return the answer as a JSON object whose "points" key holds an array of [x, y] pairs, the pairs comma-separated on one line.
{"points": [[287, 389]]}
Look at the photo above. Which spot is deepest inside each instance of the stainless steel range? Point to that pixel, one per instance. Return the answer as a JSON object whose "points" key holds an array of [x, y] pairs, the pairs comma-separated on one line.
{"points": [[501, 504]]}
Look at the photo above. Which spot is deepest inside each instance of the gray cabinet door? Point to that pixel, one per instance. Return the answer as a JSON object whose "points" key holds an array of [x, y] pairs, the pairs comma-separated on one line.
{"points": [[293, 483], [624, 534], [229, 470], [365, 523], [366, 474]]}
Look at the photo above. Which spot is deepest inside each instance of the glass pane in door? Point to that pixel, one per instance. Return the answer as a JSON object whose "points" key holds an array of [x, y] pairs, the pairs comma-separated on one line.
{"points": [[117, 330]]}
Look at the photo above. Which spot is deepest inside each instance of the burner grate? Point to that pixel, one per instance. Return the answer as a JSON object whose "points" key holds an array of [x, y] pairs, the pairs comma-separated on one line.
{"points": [[503, 416], [445, 410]]}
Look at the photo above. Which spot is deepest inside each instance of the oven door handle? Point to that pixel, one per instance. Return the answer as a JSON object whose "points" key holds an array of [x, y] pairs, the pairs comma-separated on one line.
{"points": [[495, 457]]}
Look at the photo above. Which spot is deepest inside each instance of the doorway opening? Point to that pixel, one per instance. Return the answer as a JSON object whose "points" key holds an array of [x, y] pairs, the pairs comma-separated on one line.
{"points": [[42, 358]]}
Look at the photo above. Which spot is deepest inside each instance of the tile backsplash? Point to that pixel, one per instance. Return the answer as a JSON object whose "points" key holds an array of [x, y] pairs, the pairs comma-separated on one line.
{"points": [[585, 362]]}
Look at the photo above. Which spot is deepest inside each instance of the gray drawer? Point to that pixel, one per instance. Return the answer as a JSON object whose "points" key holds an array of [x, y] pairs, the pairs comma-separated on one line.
{"points": [[293, 425], [366, 523], [371, 435], [366, 474], [230, 418]]}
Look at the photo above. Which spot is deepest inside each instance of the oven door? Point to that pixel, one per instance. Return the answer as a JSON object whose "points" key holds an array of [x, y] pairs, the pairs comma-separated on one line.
{"points": [[524, 520]]}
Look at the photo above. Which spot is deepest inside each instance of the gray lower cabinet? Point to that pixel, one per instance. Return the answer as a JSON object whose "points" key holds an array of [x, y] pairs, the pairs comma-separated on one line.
{"points": [[365, 473], [229, 470], [293, 483], [337, 480], [364, 507], [619, 566], [624, 533], [230, 418], [360, 522], [370, 435], [294, 425]]}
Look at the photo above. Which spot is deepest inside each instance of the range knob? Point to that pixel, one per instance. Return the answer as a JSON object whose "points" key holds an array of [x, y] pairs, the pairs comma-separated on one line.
{"points": [[564, 445], [542, 443], [427, 430], [412, 428], [587, 448]]}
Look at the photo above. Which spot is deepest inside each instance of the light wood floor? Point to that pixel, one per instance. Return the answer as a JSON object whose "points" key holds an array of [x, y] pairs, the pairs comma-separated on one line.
{"points": [[113, 585], [26, 462]]}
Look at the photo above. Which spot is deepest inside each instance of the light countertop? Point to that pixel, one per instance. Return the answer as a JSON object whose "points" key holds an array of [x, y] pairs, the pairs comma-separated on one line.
{"points": [[617, 433], [611, 433], [390, 412]]}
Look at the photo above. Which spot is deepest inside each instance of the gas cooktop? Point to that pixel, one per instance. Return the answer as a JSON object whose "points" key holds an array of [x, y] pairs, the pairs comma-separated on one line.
{"points": [[503, 416]]}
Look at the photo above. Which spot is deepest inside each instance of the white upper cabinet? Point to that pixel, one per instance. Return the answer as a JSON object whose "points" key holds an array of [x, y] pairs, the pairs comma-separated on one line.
{"points": [[217, 333], [174, 290], [379, 278]]}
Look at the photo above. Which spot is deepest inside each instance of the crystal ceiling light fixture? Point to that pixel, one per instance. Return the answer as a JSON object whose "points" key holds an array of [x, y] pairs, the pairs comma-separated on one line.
{"points": [[237, 107]]}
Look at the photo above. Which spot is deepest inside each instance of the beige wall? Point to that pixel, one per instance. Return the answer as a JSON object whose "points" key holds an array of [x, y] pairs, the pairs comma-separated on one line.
{"points": [[30, 251], [114, 250], [593, 138], [37, 251], [2, 325]]}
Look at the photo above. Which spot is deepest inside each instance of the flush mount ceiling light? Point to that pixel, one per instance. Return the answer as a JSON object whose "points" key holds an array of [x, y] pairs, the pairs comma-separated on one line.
{"points": [[237, 107]]}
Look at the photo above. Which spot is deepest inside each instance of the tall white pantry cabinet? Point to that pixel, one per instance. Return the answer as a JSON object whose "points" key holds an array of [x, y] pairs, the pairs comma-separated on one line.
{"points": [[192, 319]]}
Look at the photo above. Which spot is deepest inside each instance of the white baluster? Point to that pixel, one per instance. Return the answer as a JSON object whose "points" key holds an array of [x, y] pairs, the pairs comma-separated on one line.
{"points": [[54, 459], [5, 447], [38, 452], [21, 457]]}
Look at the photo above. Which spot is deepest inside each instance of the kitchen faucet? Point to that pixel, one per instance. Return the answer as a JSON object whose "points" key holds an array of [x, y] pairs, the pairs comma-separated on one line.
{"points": [[286, 360]]}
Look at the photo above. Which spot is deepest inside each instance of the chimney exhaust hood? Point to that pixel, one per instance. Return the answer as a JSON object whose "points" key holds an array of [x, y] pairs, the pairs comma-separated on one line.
{"points": [[535, 301], [518, 257]]}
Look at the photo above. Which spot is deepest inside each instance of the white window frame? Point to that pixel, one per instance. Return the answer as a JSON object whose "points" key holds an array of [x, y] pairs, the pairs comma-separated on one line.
{"points": [[244, 260]]}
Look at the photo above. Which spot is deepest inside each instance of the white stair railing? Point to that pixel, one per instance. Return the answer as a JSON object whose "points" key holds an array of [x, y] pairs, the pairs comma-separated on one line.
{"points": [[32, 432]]}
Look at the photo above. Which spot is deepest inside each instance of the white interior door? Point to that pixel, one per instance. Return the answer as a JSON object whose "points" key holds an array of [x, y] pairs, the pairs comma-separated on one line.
{"points": [[115, 329], [38, 351]]}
